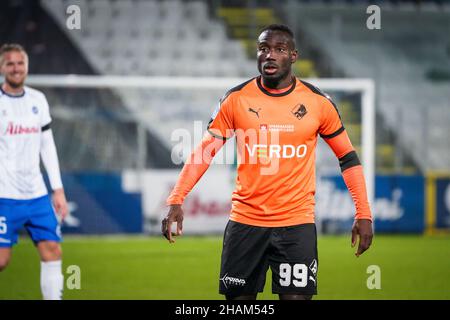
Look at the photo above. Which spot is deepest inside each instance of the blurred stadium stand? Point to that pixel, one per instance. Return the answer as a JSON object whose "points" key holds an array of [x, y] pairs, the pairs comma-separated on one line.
{"points": [[93, 129], [154, 38], [409, 61], [413, 99]]}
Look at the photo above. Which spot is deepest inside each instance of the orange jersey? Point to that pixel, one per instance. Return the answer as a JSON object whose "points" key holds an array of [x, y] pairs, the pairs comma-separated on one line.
{"points": [[276, 135]]}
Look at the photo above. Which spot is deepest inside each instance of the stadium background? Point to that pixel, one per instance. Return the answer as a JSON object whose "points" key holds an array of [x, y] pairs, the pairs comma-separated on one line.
{"points": [[116, 153]]}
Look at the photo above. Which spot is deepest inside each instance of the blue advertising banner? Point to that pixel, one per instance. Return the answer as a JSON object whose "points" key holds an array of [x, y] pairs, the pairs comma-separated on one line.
{"points": [[98, 205], [398, 206]]}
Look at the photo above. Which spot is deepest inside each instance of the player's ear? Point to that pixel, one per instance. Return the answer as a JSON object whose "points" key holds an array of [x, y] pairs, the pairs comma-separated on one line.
{"points": [[294, 55], [27, 61]]}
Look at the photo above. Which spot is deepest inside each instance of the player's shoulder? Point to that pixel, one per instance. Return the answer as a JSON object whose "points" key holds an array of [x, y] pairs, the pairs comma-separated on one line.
{"points": [[34, 93], [314, 89], [323, 97], [237, 89]]}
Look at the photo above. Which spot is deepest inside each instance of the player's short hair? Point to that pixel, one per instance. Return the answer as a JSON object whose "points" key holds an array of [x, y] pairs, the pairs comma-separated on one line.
{"points": [[282, 28], [8, 47]]}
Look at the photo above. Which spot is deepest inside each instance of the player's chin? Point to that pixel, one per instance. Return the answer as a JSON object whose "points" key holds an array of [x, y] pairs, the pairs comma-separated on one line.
{"points": [[16, 83], [272, 77]]}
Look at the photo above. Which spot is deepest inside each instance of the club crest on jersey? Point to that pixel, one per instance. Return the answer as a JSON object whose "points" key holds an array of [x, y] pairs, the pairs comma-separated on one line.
{"points": [[263, 127], [35, 110], [299, 111]]}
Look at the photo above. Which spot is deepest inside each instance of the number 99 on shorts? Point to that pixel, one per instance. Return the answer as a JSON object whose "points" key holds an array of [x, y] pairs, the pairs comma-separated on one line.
{"points": [[296, 274]]}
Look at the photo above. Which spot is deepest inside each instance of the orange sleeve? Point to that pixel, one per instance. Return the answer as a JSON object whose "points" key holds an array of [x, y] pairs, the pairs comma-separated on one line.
{"points": [[340, 144], [354, 180], [331, 124], [194, 168], [352, 172], [221, 124]]}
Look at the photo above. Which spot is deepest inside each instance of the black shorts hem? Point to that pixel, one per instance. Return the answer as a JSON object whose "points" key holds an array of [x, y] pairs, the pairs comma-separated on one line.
{"points": [[309, 293]]}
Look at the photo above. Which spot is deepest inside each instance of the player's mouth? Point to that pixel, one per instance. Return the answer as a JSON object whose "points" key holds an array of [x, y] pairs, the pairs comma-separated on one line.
{"points": [[270, 69], [17, 75], [15, 80]]}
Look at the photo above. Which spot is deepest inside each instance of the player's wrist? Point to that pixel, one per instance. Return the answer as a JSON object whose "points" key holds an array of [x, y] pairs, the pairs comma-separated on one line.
{"points": [[58, 191], [174, 201]]}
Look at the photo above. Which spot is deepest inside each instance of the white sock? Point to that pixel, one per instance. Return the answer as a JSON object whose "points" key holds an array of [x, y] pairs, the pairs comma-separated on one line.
{"points": [[52, 280]]}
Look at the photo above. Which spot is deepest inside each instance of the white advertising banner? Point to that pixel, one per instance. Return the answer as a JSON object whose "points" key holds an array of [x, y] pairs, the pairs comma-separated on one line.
{"points": [[206, 208]]}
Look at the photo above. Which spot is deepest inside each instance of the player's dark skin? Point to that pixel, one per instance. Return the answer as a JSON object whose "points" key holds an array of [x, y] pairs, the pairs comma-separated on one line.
{"points": [[275, 55]]}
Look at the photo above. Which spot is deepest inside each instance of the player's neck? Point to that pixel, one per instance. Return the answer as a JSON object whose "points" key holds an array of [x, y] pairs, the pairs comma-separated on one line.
{"points": [[14, 91], [278, 87]]}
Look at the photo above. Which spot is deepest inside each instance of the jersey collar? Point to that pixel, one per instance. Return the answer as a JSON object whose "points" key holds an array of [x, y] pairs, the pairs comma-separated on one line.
{"points": [[12, 95], [261, 87]]}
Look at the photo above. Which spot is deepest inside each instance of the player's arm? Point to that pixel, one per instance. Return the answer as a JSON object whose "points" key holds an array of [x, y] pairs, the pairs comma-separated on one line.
{"points": [[49, 158], [192, 171], [352, 172]]}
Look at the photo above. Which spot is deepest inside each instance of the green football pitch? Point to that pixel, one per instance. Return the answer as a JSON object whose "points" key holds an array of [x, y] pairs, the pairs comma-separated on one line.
{"points": [[411, 267]]}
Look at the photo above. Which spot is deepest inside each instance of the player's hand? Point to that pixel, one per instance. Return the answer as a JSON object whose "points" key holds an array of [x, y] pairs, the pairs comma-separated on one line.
{"points": [[363, 228], [175, 214], [60, 203]]}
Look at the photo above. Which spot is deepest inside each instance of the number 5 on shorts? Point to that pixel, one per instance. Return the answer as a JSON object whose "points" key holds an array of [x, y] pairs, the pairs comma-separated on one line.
{"points": [[299, 272], [3, 227]]}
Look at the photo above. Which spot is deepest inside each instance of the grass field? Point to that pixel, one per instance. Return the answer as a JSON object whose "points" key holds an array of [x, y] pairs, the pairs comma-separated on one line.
{"points": [[412, 267]]}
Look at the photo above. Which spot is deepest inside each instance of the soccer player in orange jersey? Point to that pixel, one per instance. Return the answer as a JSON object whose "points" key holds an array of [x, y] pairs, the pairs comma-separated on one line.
{"points": [[276, 119]]}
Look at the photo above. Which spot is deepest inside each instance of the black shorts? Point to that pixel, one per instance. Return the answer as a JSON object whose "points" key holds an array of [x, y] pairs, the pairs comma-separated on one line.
{"points": [[248, 251]]}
